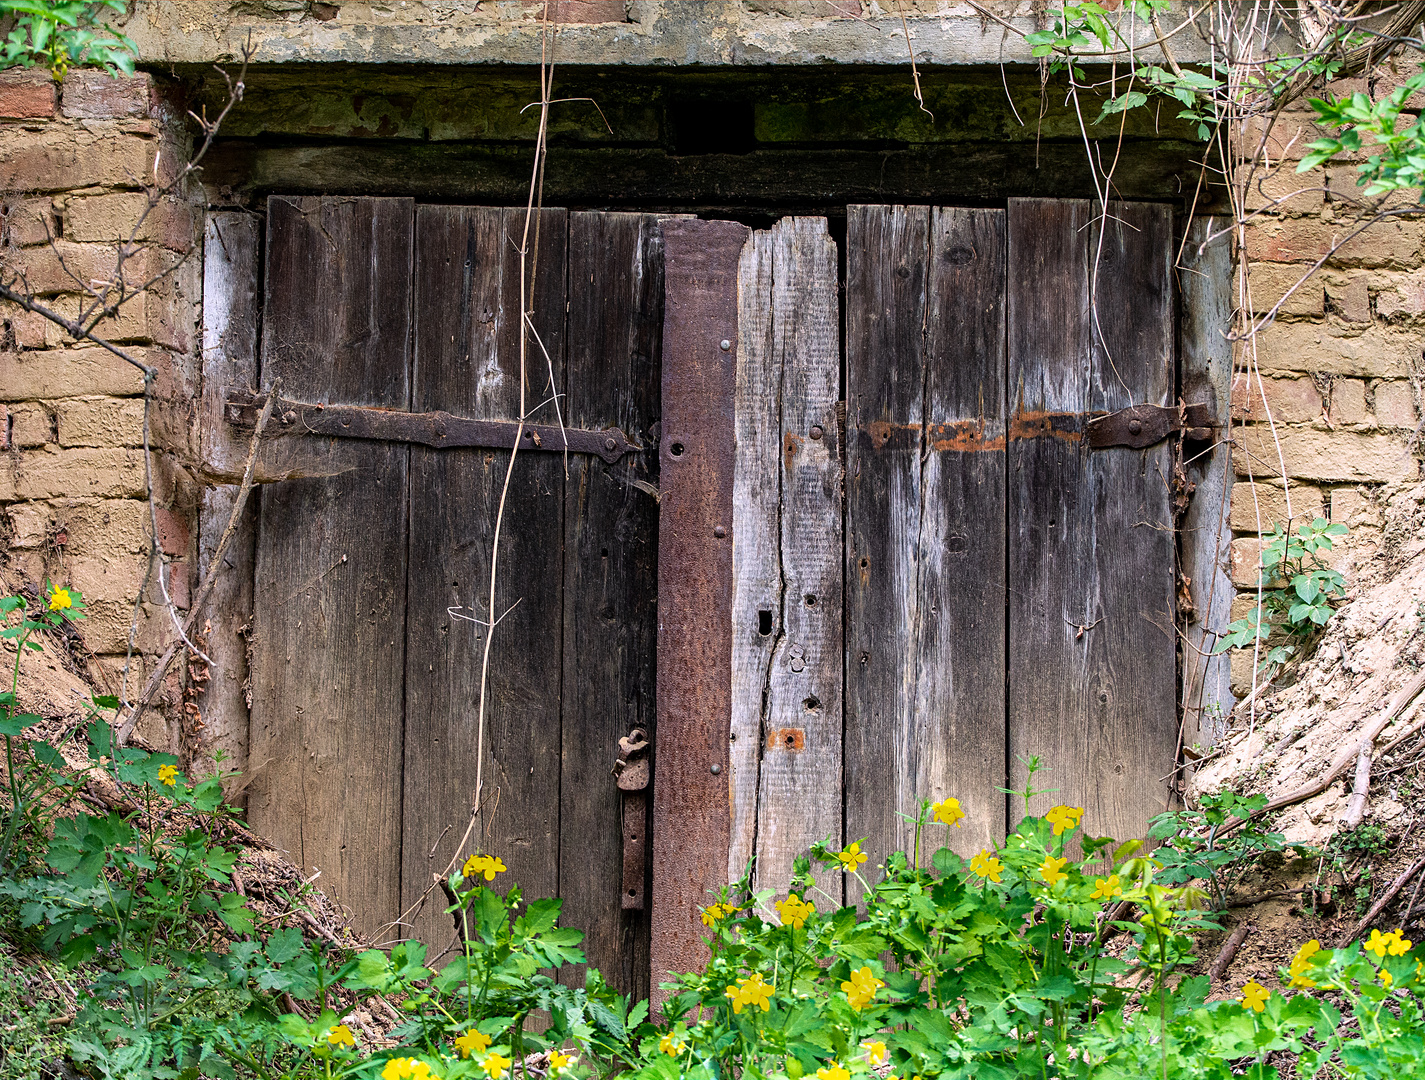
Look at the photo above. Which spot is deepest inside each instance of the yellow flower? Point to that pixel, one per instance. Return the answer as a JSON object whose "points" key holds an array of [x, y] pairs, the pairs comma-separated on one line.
{"points": [[716, 913], [852, 856], [559, 1062], [482, 864], [1064, 817], [1106, 890], [495, 1066], [949, 812], [860, 989], [1378, 943], [1400, 945], [472, 1042], [1301, 962], [1052, 870], [1385, 977], [876, 1052], [341, 1036], [397, 1069], [168, 774], [794, 910], [752, 991], [832, 1072], [60, 600], [419, 1070], [671, 1044], [1254, 996], [986, 865]]}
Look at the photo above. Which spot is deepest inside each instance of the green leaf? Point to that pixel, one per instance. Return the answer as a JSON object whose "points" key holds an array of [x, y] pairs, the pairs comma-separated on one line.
{"points": [[15, 725]]}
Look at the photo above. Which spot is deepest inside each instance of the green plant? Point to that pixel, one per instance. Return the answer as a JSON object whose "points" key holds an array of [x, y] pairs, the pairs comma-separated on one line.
{"points": [[1400, 158], [1299, 594], [61, 34]]}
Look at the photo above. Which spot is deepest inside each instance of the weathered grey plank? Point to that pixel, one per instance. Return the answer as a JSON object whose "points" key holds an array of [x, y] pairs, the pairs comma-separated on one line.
{"points": [[329, 602], [886, 309], [799, 794], [610, 577], [690, 793], [757, 591], [467, 362], [1205, 371], [1091, 556], [231, 249], [957, 746]]}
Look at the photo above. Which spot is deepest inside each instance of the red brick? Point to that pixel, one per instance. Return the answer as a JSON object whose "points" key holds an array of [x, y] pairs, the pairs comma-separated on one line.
{"points": [[173, 532], [1288, 400], [26, 95], [588, 11], [4, 428], [93, 95]]}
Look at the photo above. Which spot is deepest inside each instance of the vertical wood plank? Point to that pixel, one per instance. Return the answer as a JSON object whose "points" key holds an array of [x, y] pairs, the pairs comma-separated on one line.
{"points": [[957, 747], [1205, 370], [467, 362], [330, 608], [886, 280], [691, 800], [610, 575], [799, 794], [231, 250], [756, 551], [1091, 555]]}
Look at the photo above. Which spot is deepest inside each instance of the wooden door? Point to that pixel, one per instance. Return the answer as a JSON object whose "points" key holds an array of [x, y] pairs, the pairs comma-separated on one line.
{"points": [[1002, 589], [373, 562]]}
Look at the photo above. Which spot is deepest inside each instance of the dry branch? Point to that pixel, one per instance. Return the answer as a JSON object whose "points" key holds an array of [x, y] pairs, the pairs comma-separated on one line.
{"points": [[1228, 952], [214, 567], [1386, 897]]}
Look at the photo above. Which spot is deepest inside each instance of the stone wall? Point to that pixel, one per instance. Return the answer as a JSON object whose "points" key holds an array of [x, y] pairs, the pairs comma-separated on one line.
{"points": [[75, 161], [1328, 396]]}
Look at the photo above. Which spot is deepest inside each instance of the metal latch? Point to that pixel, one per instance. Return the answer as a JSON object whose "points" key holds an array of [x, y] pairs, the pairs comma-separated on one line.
{"points": [[438, 429], [632, 771], [1141, 426]]}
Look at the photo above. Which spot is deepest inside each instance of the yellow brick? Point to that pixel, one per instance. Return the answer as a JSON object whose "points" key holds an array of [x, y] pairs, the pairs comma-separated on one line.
{"points": [[109, 578], [1267, 503], [1269, 282], [1376, 352], [54, 474], [71, 373], [129, 323], [104, 526], [1312, 454], [1348, 402], [100, 422], [1355, 509], [30, 426], [1395, 404], [100, 218]]}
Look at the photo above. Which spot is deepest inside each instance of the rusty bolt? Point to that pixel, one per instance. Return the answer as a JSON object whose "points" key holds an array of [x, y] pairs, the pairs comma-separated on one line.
{"points": [[1134, 427], [719, 531], [816, 431], [715, 770], [798, 664], [724, 345], [609, 443], [289, 417]]}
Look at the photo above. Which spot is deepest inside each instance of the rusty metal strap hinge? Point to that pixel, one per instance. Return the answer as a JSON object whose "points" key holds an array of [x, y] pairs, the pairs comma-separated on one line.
{"points": [[438, 429], [1140, 426]]}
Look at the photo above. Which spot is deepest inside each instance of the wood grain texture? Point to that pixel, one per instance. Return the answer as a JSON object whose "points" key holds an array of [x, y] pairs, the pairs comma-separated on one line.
{"points": [[610, 577], [887, 275], [330, 608], [1092, 647], [799, 793], [231, 250], [1204, 276], [467, 362], [691, 800], [957, 747], [756, 551]]}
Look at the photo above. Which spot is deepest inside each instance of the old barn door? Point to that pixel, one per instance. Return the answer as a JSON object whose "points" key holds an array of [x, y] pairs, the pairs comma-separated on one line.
{"points": [[1004, 585], [373, 559]]}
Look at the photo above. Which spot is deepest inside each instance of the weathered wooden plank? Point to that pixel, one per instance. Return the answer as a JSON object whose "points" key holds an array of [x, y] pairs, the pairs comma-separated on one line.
{"points": [[467, 361], [231, 249], [610, 626], [690, 793], [957, 746], [1092, 646], [799, 794], [1204, 277], [887, 251], [757, 591], [329, 603]]}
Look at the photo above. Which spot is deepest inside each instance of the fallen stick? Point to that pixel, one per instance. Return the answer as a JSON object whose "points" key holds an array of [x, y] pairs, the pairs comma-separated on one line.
{"points": [[1355, 811], [1386, 897], [166, 660], [1343, 759], [1228, 952], [1249, 901]]}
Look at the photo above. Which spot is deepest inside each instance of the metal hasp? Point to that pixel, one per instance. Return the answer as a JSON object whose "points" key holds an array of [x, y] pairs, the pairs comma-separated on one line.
{"points": [[437, 429], [1140, 426], [632, 771]]}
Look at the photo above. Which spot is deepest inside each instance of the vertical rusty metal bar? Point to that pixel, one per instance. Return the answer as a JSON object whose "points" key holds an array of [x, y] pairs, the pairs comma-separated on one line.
{"points": [[691, 801]]}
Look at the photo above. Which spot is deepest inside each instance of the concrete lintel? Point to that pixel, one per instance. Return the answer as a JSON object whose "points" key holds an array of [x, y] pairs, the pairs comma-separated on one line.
{"points": [[657, 33]]}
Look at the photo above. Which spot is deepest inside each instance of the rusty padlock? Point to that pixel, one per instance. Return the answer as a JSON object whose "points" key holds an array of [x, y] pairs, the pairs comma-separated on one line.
{"points": [[631, 768]]}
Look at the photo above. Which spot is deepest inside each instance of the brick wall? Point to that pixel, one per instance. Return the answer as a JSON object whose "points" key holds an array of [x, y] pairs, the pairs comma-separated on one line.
{"points": [[1338, 375], [74, 161]]}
